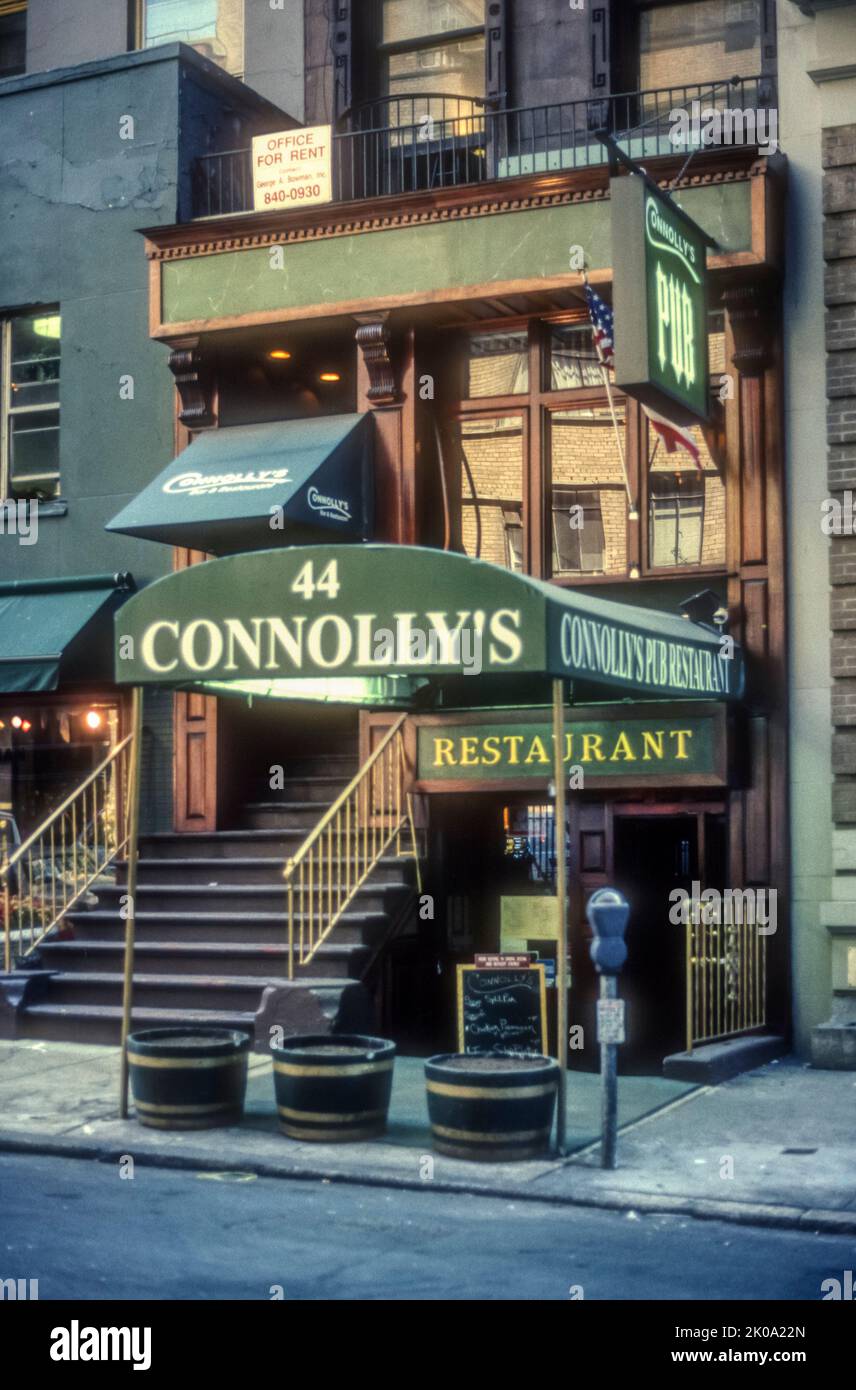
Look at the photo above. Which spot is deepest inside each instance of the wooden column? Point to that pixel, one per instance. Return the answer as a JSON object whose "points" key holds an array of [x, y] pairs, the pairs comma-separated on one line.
{"points": [[387, 385]]}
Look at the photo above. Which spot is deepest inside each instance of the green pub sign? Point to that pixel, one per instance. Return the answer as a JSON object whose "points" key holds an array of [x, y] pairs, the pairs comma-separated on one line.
{"points": [[660, 302]]}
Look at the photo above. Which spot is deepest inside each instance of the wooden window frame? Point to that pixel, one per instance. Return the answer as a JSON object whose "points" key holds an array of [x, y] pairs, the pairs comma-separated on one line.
{"points": [[8, 412]]}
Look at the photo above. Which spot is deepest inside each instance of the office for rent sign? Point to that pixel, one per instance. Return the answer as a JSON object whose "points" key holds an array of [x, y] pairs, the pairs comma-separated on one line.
{"points": [[660, 302], [292, 168]]}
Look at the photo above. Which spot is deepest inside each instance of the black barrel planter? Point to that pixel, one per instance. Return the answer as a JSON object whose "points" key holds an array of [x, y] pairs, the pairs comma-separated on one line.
{"points": [[188, 1078], [333, 1087], [492, 1109]]}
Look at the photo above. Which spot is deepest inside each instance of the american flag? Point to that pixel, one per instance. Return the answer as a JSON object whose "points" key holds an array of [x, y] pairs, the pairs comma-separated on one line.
{"points": [[601, 322]]}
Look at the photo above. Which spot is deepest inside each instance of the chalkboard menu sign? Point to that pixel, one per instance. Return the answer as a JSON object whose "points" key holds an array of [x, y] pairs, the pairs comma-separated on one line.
{"points": [[502, 1010]]}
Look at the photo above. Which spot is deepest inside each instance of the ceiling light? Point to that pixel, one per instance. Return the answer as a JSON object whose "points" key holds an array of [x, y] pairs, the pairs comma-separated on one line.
{"points": [[329, 376], [26, 726], [279, 354], [92, 719], [16, 721]]}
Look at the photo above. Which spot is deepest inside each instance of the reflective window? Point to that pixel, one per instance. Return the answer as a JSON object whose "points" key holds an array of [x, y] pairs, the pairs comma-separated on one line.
{"points": [[30, 405], [573, 358], [588, 497], [702, 41], [215, 28], [492, 489], [498, 364]]}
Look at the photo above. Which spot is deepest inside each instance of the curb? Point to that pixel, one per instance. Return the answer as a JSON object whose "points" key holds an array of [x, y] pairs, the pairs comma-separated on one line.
{"points": [[817, 1219]]}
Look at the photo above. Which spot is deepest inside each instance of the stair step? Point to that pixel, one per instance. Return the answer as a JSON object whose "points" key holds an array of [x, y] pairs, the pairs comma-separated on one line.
{"points": [[209, 992], [392, 868], [227, 844], [103, 1022], [230, 897], [282, 815], [306, 788], [235, 959]]}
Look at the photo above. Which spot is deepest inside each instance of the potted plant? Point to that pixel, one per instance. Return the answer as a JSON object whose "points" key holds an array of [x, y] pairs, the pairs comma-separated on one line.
{"points": [[493, 1108], [188, 1078], [333, 1087]]}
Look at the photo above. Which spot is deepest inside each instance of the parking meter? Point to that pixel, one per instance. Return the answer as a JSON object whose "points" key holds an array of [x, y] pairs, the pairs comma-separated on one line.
{"points": [[607, 911]]}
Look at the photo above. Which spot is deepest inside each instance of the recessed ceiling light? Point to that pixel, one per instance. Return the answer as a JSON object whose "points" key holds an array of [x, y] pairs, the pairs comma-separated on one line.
{"points": [[329, 376], [279, 354]]}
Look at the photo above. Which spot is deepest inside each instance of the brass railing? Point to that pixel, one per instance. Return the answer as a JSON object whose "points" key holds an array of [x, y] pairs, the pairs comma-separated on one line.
{"points": [[726, 972], [374, 812], [42, 878]]}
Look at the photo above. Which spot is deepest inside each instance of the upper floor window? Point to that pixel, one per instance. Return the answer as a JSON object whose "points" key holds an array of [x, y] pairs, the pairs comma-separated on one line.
{"points": [[13, 37], [29, 405], [432, 46], [699, 41], [215, 28]]}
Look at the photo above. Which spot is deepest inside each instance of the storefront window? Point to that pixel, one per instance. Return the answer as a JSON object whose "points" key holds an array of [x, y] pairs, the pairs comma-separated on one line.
{"points": [[588, 496], [492, 489], [498, 364], [215, 28], [46, 751], [29, 404]]}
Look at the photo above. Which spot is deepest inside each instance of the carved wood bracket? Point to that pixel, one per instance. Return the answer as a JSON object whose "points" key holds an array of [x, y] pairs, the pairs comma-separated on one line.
{"points": [[751, 311], [194, 379], [373, 339]]}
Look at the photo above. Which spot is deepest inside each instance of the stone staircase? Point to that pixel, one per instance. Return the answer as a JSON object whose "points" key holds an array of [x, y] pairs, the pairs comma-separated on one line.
{"points": [[211, 930]]}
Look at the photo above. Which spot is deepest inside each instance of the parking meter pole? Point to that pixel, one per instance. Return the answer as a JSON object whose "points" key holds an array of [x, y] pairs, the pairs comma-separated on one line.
{"points": [[609, 1085], [562, 908], [607, 911]]}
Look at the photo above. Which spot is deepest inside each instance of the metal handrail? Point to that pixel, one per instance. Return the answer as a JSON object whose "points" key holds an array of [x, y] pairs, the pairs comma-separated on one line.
{"points": [[63, 868], [726, 977], [350, 838]]}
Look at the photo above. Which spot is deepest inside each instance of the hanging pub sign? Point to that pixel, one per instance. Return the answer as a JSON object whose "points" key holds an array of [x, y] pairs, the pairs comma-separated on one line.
{"points": [[292, 168], [660, 302]]}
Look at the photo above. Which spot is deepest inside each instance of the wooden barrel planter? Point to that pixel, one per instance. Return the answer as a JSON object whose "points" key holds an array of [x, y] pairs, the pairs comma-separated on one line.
{"points": [[333, 1088], [188, 1078], [491, 1109]]}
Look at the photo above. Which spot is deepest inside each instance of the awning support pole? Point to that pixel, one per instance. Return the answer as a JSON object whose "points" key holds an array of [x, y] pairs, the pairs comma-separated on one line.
{"points": [[562, 903], [131, 888]]}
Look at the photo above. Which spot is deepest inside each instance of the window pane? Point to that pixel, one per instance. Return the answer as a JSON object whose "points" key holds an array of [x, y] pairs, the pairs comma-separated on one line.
{"points": [[34, 368], [588, 504], [686, 508], [410, 19], [34, 454], [456, 69], [573, 358], [492, 489], [498, 364], [13, 43], [701, 42], [215, 28]]}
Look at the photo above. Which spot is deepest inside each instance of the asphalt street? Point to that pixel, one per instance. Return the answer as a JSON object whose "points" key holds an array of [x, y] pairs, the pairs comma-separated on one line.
{"points": [[85, 1232]]}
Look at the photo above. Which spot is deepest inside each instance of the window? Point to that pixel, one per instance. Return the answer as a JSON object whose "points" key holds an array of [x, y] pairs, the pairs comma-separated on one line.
{"points": [[676, 518], [498, 364], [588, 496], [701, 41], [573, 358], [215, 28], [13, 37], [29, 405], [433, 47], [492, 452]]}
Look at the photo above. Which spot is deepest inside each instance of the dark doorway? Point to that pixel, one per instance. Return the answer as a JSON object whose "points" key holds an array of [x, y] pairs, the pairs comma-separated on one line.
{"points": [[654, 855]]}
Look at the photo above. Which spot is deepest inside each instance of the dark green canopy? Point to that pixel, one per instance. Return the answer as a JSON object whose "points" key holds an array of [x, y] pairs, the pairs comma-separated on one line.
{"points": [[249, 487], [336, 611], [56, 631]]}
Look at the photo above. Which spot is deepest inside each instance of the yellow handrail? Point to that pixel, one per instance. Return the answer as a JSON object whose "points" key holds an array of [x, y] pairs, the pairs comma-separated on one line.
{"points": [[340, 852], [726, 974], [63, 856]]}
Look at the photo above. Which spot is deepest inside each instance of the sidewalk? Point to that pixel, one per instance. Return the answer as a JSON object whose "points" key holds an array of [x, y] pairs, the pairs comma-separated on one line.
{"points": [[789, 1133]]}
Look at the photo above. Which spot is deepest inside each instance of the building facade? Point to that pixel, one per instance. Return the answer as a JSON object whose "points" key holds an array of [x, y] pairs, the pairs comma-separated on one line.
{"points": [[439, 297]]}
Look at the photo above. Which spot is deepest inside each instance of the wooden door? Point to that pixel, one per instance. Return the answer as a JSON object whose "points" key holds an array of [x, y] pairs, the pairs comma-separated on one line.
{"points": [[194, 746]]}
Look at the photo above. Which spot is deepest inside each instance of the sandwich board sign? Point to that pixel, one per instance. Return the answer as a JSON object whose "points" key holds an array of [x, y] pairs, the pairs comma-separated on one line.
{"points": [[660, 302]]}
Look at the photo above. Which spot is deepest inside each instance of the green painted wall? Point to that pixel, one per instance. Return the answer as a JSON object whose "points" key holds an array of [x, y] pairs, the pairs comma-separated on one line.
{"points": [[420, 260]]}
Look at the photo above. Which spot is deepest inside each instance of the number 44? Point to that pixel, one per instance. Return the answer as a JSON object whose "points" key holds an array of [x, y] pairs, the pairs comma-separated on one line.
{"points": [[328, 583]]}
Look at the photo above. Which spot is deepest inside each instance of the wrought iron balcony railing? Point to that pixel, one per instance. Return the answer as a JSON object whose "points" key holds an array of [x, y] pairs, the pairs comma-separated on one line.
{"points": [[428, 141]]}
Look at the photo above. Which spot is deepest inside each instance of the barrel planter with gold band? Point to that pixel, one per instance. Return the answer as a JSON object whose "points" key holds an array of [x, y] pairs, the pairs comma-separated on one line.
{"points": [[188, 1078], [491, 1108], [332, 1088]]}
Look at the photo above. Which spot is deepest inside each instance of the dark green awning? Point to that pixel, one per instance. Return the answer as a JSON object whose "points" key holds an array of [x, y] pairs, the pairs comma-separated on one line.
{"points": [[58, 631], [370, 610], [250, 487]]}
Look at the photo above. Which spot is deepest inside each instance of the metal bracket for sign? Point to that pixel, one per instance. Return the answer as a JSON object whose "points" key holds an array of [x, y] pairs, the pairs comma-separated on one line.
{"points": [[619, 156]]}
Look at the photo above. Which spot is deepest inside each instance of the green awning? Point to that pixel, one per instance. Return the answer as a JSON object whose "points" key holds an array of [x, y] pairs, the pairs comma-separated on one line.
{"points": [[355, 611], [58, 631], [250, 487]]}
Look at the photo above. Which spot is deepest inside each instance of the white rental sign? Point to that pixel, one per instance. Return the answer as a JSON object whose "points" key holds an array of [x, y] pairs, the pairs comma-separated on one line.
{"points": [[292, 168]]}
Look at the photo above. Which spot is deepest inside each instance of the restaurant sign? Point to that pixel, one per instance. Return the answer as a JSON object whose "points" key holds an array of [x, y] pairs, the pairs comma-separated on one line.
{"points": [[368, 610], [292, 168], [681, 746], [660, 302]]}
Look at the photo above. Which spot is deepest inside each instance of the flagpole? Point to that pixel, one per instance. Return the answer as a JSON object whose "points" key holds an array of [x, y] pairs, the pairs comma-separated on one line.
{"points": [[633, 514]]}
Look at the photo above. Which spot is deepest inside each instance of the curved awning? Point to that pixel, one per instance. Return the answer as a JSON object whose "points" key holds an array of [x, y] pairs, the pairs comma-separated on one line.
{"points": [[249, 487], [356, 611]]}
